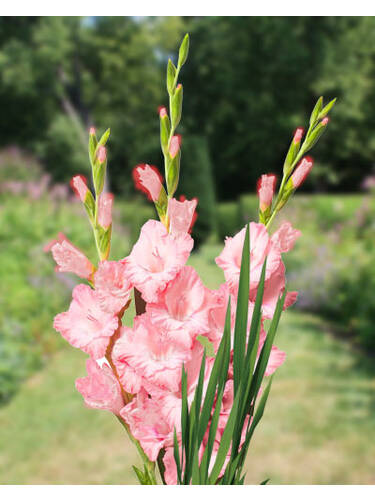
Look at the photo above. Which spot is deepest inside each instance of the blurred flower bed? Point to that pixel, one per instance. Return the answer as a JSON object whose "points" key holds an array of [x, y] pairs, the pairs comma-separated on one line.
{"points": [[31, 210]]}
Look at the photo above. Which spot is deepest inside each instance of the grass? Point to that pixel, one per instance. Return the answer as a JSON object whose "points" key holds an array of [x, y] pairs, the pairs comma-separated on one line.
{"points": [[318, 428]]}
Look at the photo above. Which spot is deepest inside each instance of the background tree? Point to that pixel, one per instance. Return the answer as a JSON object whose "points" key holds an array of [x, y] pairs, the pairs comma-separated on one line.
{"points": [[249, 81]]}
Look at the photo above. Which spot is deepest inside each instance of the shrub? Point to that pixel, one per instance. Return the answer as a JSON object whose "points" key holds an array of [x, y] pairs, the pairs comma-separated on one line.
{"points": [[248, 207], [196, 181], [17, 165], [340, 282], [63, 151], [228, 219]]}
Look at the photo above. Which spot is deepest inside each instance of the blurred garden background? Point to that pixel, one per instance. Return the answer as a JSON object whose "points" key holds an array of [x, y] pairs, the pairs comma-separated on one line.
{"points": [[248, 83]]}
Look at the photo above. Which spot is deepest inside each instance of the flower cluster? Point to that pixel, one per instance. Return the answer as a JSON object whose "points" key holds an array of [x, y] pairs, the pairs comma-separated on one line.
{"points": [[137, 373], [140, 378]]}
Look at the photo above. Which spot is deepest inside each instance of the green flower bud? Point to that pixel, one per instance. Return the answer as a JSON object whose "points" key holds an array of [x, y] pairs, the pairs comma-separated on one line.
{"points": [[176, 106], [324, 112], [184, 50], [316, 134], [93, 142], [173, 174], [293, 150], [103, 237], [165, 128], [99, 170], [315, 112], [171, 74]]}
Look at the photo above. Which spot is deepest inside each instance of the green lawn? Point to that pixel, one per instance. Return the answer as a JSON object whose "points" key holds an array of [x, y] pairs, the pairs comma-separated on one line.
{"points": [[319, 426]]}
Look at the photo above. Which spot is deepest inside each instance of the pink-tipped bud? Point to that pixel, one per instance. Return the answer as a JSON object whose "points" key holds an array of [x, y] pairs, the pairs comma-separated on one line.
{"points": [[325, 121], [174, 146], [102, 154], [105, 209], [79, 186], [162, 111], [266, 188], [298, 135], [148, 179], [179, 86], [302, 171], [92, 131]]}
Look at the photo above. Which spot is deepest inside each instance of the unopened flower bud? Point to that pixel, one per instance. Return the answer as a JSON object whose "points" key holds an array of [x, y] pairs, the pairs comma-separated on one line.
{"points": [[266, 188], [148, 179], [325, 121], [176, 106], [102, 154], [92, 131], [79, 186], [105, 209], [298, 135], [302, 171], [174, 146], [162, 111]]}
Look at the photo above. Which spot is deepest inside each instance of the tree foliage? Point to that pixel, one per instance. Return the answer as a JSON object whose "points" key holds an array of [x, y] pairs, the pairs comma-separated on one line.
{"points": [[249, 81]]}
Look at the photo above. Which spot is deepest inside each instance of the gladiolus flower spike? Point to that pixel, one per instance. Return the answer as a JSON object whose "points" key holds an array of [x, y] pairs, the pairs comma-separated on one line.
{"points": [[189, 379]]}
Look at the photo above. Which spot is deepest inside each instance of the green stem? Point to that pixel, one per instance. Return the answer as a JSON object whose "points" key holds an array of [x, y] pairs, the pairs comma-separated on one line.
{"points": [[150, 466]]}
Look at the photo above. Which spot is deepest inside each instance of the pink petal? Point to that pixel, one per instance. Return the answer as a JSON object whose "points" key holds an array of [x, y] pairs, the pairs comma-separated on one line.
{"points": [[100, 389], [85, 325], [181, 215], [156, 258], [285, 237]]}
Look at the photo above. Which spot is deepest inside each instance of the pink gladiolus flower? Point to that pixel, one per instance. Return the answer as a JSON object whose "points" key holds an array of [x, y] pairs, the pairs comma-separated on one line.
{"points": [[143, 415], [112, 286], [183, 308], [175, 145], [285, 237], [100, 389], [85, 325], [181, 215], [105, 209], [68, 258], [102, 154], [260, 244], [151, 357], [79, 186], [156, 258], [302, 171], [266, 188], [298, 135], [148, 179]]}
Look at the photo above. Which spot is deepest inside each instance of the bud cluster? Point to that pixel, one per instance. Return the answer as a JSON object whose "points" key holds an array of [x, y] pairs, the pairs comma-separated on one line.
{"points": [[147, 177], [296, 165], [98, 208], [170, 141]]}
